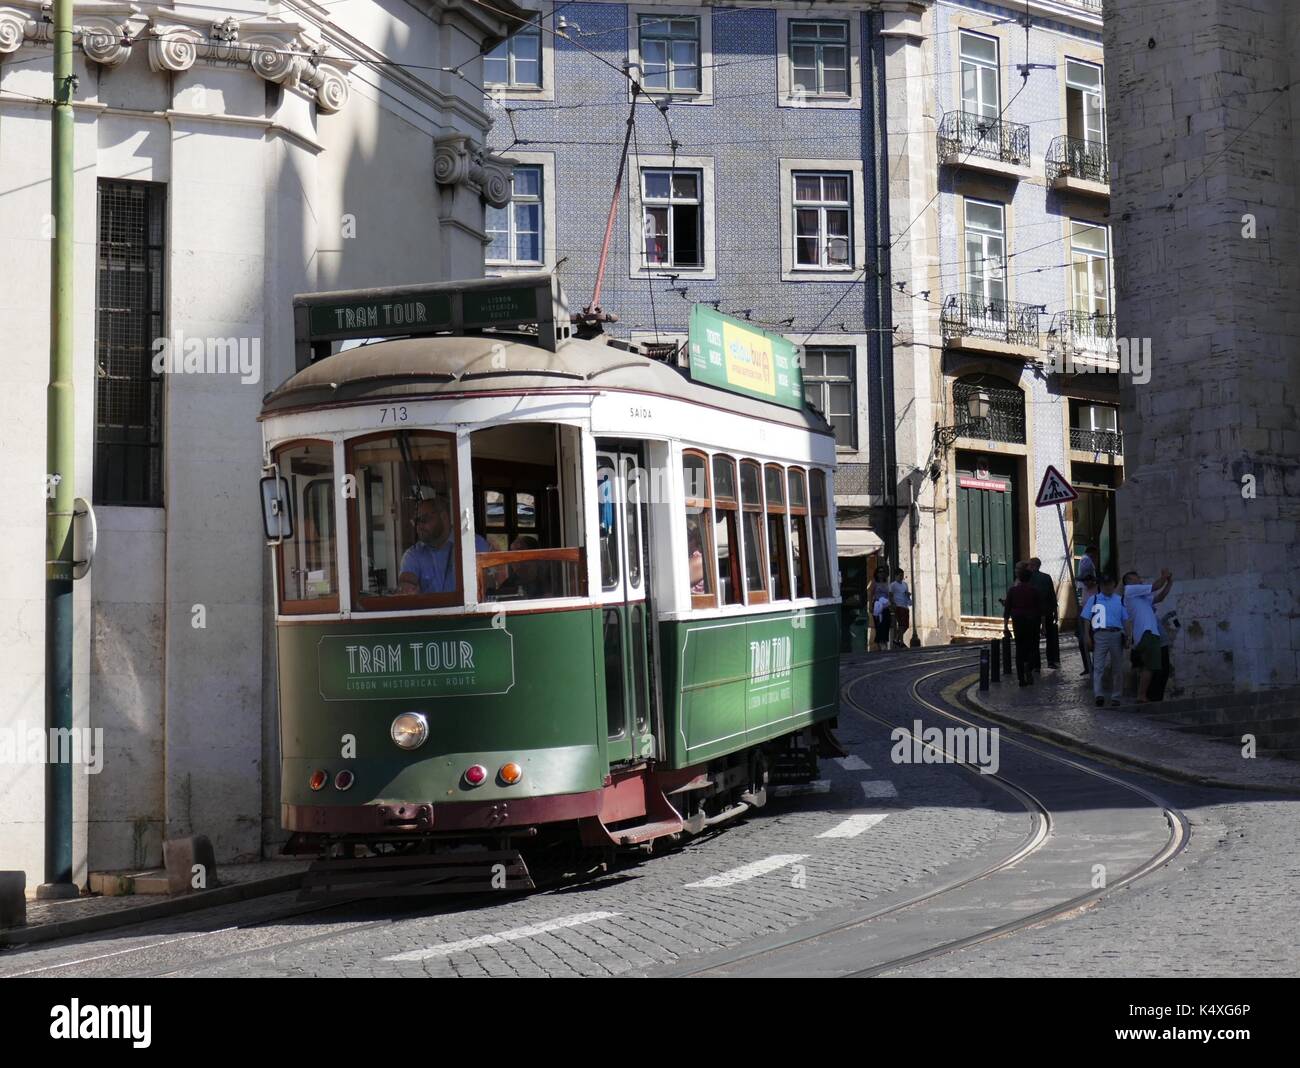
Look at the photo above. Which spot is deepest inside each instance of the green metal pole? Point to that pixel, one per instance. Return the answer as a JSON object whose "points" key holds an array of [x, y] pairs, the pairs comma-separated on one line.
{"points": [[59, 442]]}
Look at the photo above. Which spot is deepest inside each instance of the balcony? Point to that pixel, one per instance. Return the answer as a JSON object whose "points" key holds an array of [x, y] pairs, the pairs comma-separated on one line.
{"points": [[1081, 342], [992, 145], [1097, 442], [997, 327], [1075, 165], [1006, 419]]}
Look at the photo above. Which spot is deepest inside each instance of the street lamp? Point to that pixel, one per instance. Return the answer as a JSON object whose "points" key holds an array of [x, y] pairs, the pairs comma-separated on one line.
{"points": [[977, 409]]}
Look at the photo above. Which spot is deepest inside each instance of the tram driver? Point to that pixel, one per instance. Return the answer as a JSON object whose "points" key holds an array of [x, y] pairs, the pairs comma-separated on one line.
{"points": [[430, 565]]}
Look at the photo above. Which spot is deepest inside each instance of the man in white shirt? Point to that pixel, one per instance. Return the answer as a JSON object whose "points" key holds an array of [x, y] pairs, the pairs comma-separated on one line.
{"points": [[1140, 600], [1104, 616]]}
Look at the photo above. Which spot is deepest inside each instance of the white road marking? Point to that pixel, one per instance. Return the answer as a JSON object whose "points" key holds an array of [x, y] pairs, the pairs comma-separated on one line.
{"points": [[853, 826], [747, 871], [853, 763], [879, 788], [796, 789], [446, 949]]}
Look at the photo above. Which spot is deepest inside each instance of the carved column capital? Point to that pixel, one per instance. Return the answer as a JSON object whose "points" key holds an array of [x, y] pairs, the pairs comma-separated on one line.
{"points": [[458, 160]]}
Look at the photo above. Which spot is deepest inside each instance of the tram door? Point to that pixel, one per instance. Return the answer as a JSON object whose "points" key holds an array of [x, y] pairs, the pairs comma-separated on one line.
{"points": [[625, 613]]}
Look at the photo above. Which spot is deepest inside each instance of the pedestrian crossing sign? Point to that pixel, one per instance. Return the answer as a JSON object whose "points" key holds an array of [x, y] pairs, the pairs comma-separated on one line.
{"points": [[1055, 489]]}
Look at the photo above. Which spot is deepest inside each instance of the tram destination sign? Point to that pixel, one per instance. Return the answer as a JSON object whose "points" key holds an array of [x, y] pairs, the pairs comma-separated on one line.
{"points": [[734, 355], [530, 300], [450, 663]]}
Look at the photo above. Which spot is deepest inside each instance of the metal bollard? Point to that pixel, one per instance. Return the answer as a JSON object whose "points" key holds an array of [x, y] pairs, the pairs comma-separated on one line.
{"points": [[1006, 654], [995, 659], [984, 668]]}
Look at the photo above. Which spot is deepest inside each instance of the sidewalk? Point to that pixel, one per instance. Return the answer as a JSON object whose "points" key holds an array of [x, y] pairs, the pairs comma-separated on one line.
{"points": [[1059, 707], [47, 920]]}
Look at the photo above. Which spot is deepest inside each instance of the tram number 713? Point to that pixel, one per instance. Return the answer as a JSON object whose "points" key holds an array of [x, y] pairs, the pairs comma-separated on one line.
{"points": [[393, 415]]}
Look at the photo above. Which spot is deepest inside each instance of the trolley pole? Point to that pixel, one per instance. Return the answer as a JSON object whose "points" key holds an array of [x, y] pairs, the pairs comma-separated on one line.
{"points": [[59, 492]]}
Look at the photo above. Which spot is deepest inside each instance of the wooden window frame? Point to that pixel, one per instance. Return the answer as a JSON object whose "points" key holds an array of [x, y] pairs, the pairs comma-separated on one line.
{"points": [[409, 601], [708, 599], [320, 605], [780, 508], [754, 596], [730, 506], [800, 512], [821, 512]]}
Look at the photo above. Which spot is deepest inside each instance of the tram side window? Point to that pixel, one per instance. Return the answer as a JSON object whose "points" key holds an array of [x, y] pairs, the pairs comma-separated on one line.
{"points": [[799, 533], [751, 497], [699, 548], [405, 536], [821, 567], [778, 555], [726, 535], [308, 562], [528, 505]]}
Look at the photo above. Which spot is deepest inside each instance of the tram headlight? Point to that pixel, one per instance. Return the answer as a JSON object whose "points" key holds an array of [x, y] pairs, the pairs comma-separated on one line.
{"points": [[410, 730]]}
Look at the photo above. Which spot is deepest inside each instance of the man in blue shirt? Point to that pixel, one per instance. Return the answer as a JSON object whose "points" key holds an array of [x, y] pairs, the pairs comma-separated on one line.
{"points": [[431, 564], [1104, 616], [1140, 600]]}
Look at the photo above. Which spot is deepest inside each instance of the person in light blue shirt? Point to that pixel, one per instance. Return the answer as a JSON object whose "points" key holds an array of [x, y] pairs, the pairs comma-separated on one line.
{"points": [[1104, 616], [1140, 599], [431, 564]]}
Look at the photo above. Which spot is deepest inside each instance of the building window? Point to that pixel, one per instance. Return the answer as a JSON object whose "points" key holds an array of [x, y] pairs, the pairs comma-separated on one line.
{"points": [[979, 76], [1098, 417], [516, 230], [986, 252], [1090, 269], [828, 386], [823, 219], [128, 318], [673, 216], [1084, 102], [516, 63], [670, 53], [819, 58]]}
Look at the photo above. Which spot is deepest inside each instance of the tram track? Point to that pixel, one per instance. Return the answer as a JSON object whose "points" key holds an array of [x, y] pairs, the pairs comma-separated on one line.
{"points": [[1043, 825], [768, 952]]}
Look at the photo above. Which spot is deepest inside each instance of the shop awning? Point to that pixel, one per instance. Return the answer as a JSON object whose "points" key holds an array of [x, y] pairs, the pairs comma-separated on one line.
{"points": [[857, 542]]}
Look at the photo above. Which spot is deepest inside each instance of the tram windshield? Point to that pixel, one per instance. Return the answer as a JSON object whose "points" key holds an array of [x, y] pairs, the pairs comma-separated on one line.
{"points": [[528, 510]]}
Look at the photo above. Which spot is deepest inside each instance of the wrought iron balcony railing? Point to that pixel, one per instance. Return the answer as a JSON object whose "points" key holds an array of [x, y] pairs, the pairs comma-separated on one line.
{"points": [[1006, 419], [1074, 157], [973, 315], [1097, 441], [1085, 331], [962, 136]]}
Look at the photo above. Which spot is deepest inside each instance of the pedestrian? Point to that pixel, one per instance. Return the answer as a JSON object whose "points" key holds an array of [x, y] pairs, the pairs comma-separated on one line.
{"points": [[901, 598], [1168, 631], [877, 591], [1042, 582], [1022, 609], [1104, 617], [1140, 599], [1087, 569], [1081, 625]]}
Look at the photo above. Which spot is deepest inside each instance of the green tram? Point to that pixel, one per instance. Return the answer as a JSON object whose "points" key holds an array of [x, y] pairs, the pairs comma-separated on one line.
{"points": [[538, 595]]}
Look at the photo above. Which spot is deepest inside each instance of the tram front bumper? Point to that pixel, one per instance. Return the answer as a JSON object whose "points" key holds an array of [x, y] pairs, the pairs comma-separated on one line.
{"points": [[424, 817]]}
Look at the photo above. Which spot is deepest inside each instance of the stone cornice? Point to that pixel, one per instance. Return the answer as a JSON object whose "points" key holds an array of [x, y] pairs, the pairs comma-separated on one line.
{"points": [[280, 51], [459, 161]]}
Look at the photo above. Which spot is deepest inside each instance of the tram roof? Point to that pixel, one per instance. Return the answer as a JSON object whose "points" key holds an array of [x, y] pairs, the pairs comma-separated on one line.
{"points": [[443, 366]]}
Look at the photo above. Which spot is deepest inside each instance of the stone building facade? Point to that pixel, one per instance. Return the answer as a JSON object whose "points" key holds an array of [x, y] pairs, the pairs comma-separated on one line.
{"points": [[1206, 143], [225, 160]]}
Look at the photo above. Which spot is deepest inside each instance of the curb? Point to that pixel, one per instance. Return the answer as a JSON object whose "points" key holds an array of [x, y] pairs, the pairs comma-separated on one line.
{"points": [[222, 895], [966, 691]]}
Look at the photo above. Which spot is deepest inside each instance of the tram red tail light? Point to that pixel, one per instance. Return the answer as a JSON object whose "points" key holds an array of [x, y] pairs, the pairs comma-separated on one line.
{"points": [[318, 779], [475, 774], [511, 773], [343, 780]]}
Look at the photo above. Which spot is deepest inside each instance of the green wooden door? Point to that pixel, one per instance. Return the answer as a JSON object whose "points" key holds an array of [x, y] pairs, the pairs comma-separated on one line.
{"points": [[985, 541]]}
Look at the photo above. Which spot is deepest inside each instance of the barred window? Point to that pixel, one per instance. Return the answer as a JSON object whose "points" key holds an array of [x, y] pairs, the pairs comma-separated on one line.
{"points": [[128, 318]]}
